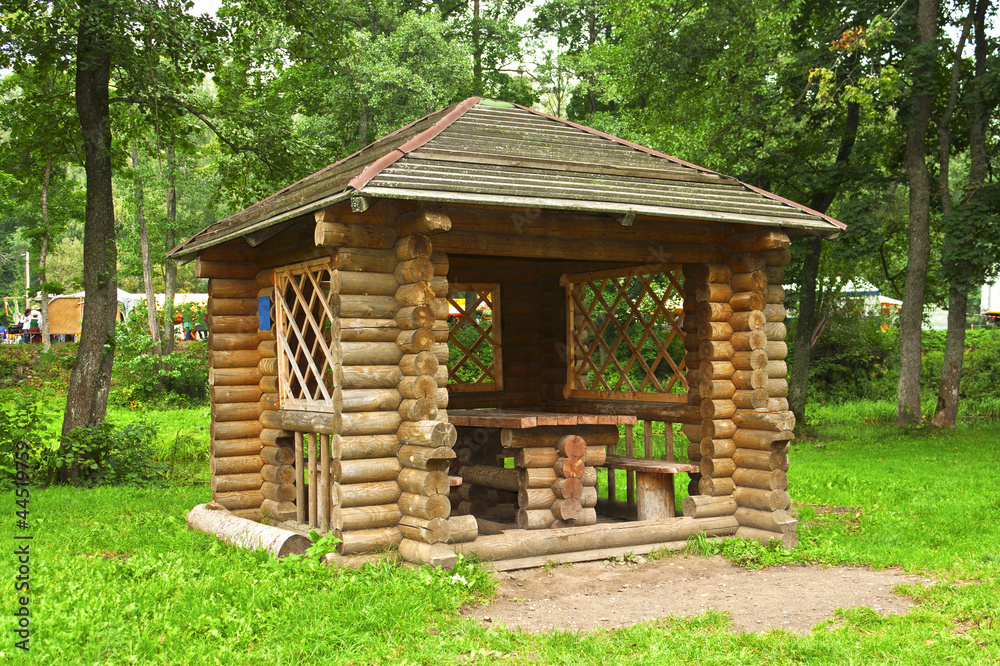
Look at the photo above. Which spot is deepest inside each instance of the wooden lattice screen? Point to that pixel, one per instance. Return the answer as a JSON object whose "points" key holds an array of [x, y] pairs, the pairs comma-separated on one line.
{"points": [[305, 327], [624, 336], [474, 352]]}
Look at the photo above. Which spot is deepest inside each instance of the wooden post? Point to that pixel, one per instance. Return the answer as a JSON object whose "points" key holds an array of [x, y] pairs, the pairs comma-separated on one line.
{"points": [[426, 437], [759, 442]]}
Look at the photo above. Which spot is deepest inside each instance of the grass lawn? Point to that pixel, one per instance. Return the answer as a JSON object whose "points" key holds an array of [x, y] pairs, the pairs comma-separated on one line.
{"points": [[117, 578]]}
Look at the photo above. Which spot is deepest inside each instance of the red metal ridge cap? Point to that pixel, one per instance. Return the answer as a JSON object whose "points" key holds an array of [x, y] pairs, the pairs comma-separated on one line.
{"points": [[624, 142], [369, 172], [417, 141]]}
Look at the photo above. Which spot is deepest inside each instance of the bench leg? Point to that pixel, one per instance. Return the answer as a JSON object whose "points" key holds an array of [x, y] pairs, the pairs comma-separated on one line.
{"points": [[654, 495]]}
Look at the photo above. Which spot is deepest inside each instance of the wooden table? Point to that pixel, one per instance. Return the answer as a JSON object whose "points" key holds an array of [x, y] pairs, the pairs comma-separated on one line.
{"points": [[655, 498], [552, 454], [508, 418]]}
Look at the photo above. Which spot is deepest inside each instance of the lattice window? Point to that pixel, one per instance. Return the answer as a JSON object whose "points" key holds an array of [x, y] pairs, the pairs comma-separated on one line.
{"points": [[306, 330], [474, 355], [624, 336]]}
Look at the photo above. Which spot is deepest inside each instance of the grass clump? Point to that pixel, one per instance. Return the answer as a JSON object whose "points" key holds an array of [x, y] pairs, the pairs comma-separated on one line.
{"points": [[747, 553]]}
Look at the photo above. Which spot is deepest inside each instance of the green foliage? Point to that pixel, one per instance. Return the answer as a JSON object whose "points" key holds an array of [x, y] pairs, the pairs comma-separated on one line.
{"points": [[313, 557], [747, 553], [856, 357], [27, 364], [296, 104], [980, 367], [15, 364], [106, 455], [22, 429], [972, 256], [469, 372], [144, 378]]}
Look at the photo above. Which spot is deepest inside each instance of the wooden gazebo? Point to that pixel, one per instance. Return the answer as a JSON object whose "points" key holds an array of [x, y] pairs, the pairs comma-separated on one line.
{"points": [[441, 344]]}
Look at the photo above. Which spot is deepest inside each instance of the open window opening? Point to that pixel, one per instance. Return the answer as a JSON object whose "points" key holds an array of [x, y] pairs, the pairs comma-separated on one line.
{"points": [[474, 345]]}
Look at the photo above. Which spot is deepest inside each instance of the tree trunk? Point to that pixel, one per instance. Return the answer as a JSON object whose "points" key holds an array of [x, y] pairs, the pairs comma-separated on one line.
{"points": [[90, 380], [147, 262], [170, 269], [918, 235], [954, 347], [954, 351], [43, 254], [477, 51], [805, 330]]}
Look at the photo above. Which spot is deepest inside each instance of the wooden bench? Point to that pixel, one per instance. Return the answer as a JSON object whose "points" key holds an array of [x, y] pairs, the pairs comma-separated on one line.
{"points": [[654, 482]]}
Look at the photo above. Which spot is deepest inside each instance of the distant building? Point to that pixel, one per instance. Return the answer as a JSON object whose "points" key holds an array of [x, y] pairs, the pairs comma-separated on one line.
{"points": [[990, 303], [935, 319]]}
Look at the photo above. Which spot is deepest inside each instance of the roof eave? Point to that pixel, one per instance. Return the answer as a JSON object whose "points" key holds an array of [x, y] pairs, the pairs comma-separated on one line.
{"points": [[819, 228], [188, 249]]}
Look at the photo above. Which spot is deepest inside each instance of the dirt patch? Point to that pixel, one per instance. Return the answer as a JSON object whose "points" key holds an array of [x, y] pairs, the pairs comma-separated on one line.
{"points": [[601, 595], [850, 515]]}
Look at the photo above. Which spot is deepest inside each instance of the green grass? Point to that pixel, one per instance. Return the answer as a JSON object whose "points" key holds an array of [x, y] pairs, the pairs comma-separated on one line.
{"points": [[884, 411], [117, 578], [926, 498]]}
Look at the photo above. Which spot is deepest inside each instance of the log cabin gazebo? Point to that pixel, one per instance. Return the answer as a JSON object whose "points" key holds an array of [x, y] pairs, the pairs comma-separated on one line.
{"points": [[441, 344]]}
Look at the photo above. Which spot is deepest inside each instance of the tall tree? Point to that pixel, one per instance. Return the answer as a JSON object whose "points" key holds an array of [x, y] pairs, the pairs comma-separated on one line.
{"points": [[780, 95], [578, 28], [972, 230], [296, 103], [921, 62], [92, 38], [147, 260], [41, 137]]}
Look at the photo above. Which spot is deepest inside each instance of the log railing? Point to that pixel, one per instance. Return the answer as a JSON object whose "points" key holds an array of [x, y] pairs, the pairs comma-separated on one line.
{"points": [[313, 501]]}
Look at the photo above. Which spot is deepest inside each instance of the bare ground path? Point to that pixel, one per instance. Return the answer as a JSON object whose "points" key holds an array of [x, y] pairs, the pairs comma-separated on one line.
{"points": [[598, 595]]}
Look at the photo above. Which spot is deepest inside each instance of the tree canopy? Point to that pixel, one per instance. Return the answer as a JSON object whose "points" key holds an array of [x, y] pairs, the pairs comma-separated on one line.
{"points": [[882, 115]]}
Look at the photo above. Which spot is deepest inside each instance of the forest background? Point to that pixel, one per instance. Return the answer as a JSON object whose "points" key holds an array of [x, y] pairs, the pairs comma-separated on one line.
{"points": [[126, 125]]}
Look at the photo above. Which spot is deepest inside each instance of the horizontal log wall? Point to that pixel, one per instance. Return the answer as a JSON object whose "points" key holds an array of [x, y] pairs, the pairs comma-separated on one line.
{"points": [[710, 347], [234, 460], [365, 471]]}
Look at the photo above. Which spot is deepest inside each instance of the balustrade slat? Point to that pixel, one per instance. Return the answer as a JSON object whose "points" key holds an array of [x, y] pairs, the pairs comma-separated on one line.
{"points": [[300, 505]]}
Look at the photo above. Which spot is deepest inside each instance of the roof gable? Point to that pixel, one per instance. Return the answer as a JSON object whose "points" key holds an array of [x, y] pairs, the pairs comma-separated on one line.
{"points": [[495, 153]]}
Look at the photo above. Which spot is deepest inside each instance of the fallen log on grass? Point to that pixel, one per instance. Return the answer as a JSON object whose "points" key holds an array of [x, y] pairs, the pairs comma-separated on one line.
{"points": [[245, 533]]}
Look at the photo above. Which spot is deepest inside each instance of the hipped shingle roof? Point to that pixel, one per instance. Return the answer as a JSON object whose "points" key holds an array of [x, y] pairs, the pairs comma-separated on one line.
{"points": [[494, 153]]}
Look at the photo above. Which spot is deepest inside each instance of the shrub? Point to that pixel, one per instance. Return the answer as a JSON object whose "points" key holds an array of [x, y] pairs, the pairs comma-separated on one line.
{"points": [[144, 378], [856, 358], [106, 455], [22, 426], [16, 362], [981, 367]]}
